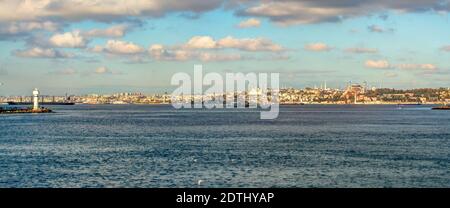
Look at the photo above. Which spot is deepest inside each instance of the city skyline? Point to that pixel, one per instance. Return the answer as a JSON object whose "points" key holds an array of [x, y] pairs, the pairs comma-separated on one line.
{"points": [[105, 46], [319, 86], [352, 94]]}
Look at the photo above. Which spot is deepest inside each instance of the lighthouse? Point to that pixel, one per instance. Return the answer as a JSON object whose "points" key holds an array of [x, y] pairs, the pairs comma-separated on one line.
{"points": [[35, 99]]}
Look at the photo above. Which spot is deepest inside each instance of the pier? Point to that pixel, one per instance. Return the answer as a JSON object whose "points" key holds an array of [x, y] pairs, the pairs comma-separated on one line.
{"points": [[34, 109], [23, 110]]}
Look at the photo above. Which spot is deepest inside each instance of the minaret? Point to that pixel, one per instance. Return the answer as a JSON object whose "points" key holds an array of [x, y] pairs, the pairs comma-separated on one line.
{"points": [[35, 99]]}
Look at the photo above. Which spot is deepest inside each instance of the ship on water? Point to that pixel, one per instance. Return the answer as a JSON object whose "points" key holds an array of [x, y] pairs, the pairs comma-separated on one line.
{"points": [[42, 103], [409, 104], [444, 107], [67, 101]]}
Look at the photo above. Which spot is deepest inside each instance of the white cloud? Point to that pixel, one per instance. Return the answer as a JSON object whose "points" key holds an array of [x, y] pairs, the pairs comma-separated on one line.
{"points": [[289, 12], [249, 44], [37, 52], [426, 67], [252, 22], [375, 28], [100, 10], [361, 50], [317, 47], [446, 48], [159, 52], [283, 12], [292, 12], [68, 40], [218, 57], [205, 48], [201, 42], [115, 31], [97, 49], [229, 42], [15, 28], [384, 64], [379, 29], [102, 70], [378, 64], [119, 48], [390, 74], [21, 30]]}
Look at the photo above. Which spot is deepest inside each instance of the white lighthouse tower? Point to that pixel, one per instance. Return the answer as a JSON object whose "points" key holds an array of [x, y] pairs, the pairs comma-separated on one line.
{"points": [[35, 99]]}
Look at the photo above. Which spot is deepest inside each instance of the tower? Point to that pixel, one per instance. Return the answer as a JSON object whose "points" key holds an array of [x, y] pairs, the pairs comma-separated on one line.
{"points": [[35, 99]]}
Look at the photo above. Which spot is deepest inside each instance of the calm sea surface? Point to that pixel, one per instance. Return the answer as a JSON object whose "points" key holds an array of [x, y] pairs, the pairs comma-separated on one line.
{"points": [[157, 146]]}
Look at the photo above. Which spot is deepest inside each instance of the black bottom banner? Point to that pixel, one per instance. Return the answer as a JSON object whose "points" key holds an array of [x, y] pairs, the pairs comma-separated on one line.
{"points": [[248, 198]]}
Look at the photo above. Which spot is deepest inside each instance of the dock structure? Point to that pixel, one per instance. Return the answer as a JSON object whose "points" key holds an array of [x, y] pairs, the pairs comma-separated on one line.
{"points": [[23, 110]]}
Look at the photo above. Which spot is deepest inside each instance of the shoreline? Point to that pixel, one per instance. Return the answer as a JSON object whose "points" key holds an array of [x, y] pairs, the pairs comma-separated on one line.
{"points": [[24, 111], [281, 104]]}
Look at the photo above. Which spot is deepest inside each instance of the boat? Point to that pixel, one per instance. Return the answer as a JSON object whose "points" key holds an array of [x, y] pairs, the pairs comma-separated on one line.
{"points": [[42, 103], [292, 104], [409, 104], [444, 107]]}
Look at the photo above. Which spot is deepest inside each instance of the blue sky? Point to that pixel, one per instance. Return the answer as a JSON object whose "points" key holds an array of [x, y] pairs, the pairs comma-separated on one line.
{"points": [[64, 46]]}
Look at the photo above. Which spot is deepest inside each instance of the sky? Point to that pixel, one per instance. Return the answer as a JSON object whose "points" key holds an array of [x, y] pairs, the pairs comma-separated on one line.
{"points": [[107, 46]]}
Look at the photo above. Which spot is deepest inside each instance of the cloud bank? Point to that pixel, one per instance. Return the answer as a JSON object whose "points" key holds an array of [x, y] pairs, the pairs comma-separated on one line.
{"points": [[284, 12], [291, 12]]}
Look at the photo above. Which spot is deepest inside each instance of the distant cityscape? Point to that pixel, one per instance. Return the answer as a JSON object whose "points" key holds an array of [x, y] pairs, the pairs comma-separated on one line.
{"points": [[352, 94]]}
